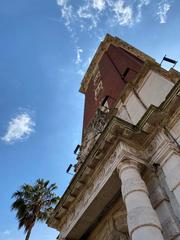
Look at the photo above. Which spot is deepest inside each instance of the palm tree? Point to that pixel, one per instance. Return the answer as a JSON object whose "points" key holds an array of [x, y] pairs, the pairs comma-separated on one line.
{"points": [[34, 203]]}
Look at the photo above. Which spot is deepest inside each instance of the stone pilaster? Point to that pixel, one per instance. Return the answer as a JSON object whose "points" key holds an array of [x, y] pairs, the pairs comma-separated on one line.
{"points": [[161, 203], [143, 222], [171, 169]]}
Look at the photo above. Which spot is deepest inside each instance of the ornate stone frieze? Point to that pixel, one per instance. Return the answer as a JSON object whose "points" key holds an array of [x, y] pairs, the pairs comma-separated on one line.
{"points": [[160, 148]]}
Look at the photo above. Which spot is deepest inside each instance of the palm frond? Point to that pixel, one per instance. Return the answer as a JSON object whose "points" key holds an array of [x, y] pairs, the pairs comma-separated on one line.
{"points": [[34, 203]]}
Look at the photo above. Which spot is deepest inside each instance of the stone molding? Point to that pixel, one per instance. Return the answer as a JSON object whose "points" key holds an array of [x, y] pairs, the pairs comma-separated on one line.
{"points": [[161, 149], [126, 164]]}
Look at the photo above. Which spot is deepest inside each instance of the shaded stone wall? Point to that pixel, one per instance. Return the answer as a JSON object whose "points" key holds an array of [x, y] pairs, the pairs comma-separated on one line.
{"points": [[113, 226]]}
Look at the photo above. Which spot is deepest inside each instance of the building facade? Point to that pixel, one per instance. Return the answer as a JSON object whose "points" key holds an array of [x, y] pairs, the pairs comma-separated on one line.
{"points": [[127, 180]]}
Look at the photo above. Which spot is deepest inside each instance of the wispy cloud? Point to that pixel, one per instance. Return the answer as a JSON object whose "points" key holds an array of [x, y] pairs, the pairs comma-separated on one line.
{"points": [[163, 9], [102, 15], [66, 12], [78, 55], [123, 12], [83, 67], [19, 128], [140, 5], [84, 12], [90, 13], [99, 4]]}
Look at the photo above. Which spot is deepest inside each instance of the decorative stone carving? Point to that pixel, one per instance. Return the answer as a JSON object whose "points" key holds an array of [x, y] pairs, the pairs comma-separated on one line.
{"points": [[93, 131], [120, 221], [97, 78], [99, 122]]}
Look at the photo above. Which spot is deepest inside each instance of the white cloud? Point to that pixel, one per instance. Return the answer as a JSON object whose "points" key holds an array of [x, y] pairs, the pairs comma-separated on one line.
{"points": [[163, 8], [61, 2], [66, 12], [19, 128], [89, 14], [99, 4], [123, 13], [78, 55], [140, 5], [85, 12], [83, 67]]}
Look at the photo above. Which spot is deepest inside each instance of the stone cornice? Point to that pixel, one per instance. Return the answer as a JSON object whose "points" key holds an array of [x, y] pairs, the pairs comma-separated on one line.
{"points": [[100, 51]]}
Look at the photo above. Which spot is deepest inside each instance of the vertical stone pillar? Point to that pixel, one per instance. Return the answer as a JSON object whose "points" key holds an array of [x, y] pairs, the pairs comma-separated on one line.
{"points": [[161, 203], [143, 223], [171, 169]]}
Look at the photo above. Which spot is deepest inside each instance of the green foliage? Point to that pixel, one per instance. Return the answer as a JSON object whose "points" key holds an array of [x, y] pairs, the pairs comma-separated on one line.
{"points": [[34, 203]]}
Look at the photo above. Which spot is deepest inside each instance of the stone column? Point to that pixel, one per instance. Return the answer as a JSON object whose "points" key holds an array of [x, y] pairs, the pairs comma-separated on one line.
{"points": [[171, 169], [143, 223]]}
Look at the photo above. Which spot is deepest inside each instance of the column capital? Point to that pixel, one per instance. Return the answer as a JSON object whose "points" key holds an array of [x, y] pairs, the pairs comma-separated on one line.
{"points": [[129, 173], [128, 163]]}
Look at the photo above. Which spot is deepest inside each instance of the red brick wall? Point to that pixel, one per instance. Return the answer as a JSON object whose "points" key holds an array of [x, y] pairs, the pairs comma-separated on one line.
{"points": [[112, 65]]}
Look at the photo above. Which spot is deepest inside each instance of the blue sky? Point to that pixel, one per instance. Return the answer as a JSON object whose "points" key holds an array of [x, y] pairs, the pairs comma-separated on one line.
{"points": [[45, 48]]}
